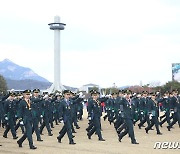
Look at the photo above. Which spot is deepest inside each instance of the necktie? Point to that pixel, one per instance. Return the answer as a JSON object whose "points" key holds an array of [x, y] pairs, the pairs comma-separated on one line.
{"points": [[28, 102]]}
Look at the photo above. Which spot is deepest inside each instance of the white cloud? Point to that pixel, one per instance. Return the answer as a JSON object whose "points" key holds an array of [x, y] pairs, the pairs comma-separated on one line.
{"points": [[112, 40]]}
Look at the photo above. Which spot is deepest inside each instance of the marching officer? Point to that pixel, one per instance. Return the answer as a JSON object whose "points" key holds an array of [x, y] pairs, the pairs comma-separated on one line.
{"points": [[65, 116], [46, 105], [166, 108], [175, 109], [2, 98], [143, 110], [94, 114], [128, 110], [36, 110], [153, 111], [10, 112], [26, 119]]}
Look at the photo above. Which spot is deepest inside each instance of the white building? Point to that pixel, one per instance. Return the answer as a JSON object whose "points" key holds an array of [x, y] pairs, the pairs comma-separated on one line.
{"points": [[88, 87]]}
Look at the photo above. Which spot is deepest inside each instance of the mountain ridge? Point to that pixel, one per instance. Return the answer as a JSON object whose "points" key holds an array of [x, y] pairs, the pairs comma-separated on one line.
{"points": [[13, 71]]}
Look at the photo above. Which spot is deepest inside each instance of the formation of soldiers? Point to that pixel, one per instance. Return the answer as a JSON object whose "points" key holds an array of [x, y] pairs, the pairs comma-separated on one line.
{"points": [[31, 112], [125, 109]]}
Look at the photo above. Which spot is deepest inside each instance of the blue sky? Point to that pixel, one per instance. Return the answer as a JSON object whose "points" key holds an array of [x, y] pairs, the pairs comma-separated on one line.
{"points": [[104, 42]]}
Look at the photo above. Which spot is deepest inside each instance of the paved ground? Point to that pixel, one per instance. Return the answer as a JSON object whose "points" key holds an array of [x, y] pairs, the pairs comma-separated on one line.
{"points": [[93, 146]]}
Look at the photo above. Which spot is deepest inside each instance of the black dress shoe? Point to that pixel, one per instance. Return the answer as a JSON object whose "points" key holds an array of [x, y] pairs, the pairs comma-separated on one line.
{"points": [[146, 130], [15, 137], [0, 145], [20, 144], [139, 126], [168, 127], [73, 132], [73, 136], [89, 137], [72, 142], [40, 140], [5, 136], [33, 147], [77, 127], [50, 134], [159, 133], [102, 139], [120, 138], [134, 142], [59, 140]]}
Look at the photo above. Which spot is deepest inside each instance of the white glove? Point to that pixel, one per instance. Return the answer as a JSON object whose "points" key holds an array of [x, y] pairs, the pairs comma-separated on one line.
{"points": [[136, 111], [21, 123], [172, 112], [12, 90], [41, 116], [80, 94], [112, 110], [150, 116], [6, 118], [89, 118], [46, 96], [61, 121], [102, 95], [141, 112]]}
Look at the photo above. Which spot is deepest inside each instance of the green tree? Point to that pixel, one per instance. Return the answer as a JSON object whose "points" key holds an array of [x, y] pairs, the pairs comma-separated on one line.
{"points": [[3, 85], [173, 85], [170, 86], [93, 88]]}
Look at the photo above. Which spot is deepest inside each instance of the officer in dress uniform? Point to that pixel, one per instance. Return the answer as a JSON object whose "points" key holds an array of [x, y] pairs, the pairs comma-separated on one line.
{"points": [[46, 105], [94, 114], [10, 112], [143, 110], [128, 110], [166, 108], [175, 109], [119, 119], [153, 111], [2, 98], [18, 99], [65, 116], [57, 108], [36, 110], [26, 119], [136, 101]]}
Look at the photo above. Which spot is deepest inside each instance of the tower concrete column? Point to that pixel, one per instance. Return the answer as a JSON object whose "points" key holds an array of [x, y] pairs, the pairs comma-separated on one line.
{"points": [[56, 26]]}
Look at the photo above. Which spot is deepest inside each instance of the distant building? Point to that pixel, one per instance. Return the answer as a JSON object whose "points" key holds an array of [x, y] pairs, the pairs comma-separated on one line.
{"points": [[88, 87]]}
